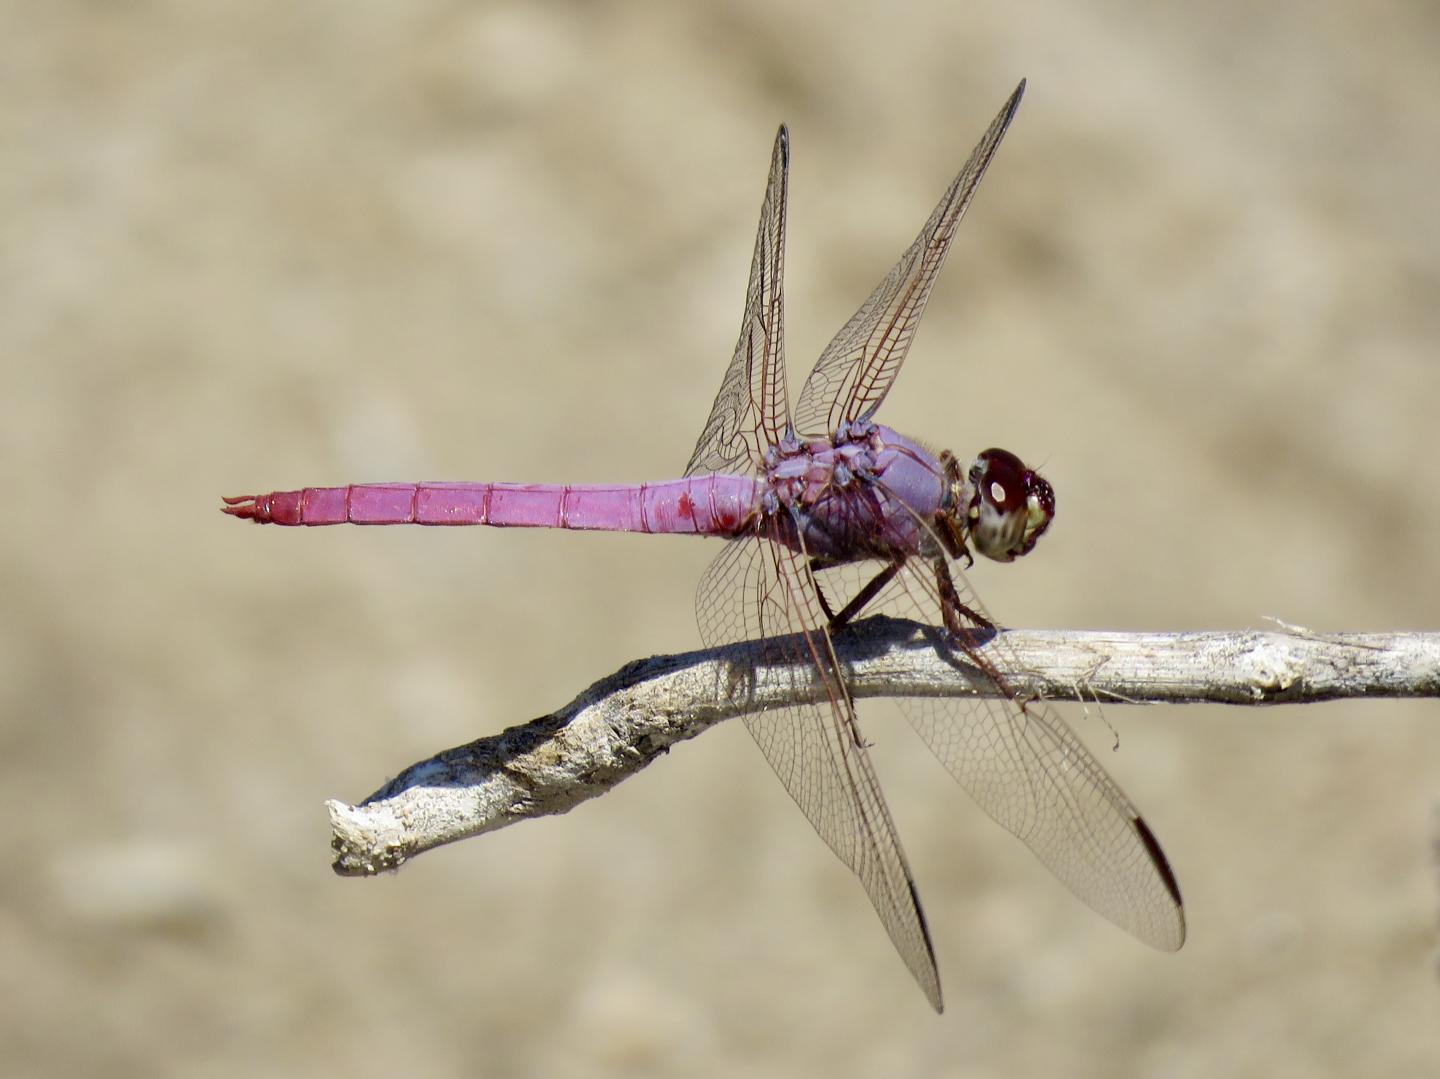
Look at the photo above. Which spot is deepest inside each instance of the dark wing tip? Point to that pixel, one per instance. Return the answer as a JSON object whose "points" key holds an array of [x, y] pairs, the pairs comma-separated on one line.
{"points": [[932, 991], [1162, 867], [782, 144], [1013, 104]]}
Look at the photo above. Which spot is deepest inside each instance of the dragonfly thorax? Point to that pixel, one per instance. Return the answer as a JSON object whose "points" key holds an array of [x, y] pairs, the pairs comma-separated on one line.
{"points": [[866, 493], [799, 474]]}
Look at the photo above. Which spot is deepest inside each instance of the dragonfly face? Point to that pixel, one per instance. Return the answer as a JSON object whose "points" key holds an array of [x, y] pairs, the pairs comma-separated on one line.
{"points": [[1007, 506]]}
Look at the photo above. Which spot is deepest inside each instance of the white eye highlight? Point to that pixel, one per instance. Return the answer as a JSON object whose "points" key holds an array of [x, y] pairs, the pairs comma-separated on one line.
{"points": [[997, 493]]}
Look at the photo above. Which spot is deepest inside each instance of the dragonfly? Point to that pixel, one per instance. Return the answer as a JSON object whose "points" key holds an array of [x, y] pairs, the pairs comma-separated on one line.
{"points": [[829, 516]]}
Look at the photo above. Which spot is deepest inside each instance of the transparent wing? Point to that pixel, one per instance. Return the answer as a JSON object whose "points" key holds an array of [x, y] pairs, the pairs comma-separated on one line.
{"points": [[857, 368], [754, 590], [1026, 768], [751, 411]]}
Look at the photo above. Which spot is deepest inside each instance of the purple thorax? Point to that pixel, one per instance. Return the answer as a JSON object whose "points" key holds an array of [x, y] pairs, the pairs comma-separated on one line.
{"points": [[866, 494]]}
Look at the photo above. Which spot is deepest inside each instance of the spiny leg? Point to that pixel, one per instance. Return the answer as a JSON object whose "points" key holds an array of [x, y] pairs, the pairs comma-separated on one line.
{"points": [[816, 565], [951, 606], [864, 596]]}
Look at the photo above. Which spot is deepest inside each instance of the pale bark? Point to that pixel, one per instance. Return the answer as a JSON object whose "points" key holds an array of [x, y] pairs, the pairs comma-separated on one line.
{"points": [[623, 722]]}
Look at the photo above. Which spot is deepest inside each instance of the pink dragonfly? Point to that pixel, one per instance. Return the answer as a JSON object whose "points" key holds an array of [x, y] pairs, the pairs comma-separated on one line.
{"points": [[830, 515]]}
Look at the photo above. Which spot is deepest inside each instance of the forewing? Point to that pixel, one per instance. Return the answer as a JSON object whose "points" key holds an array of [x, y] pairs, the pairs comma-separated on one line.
{"points": [[1027, 769], [759, 590], [857, 368], [751, 411]]}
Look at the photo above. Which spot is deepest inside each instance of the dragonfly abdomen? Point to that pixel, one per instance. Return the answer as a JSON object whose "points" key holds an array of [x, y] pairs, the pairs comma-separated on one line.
{"points": [[718, 505]]}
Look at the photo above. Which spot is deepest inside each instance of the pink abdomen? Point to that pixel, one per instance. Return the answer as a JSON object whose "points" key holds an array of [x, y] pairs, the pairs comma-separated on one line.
{"points": [[705, 505]]}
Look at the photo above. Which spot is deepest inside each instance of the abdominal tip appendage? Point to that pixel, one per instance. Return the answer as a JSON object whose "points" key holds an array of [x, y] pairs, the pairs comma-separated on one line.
{"points": [[243, 506]]}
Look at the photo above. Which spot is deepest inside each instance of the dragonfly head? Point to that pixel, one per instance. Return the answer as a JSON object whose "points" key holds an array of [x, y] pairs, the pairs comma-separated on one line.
{"points": [[1008, 507]]}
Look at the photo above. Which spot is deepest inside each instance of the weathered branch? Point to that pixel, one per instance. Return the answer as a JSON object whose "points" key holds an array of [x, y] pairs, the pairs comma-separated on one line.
{"points": [[623, 722]]}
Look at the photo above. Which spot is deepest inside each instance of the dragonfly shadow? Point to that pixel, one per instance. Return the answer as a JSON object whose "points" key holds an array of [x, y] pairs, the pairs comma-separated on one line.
{"points": [[743, 667], [749, 677], [874, 636]]}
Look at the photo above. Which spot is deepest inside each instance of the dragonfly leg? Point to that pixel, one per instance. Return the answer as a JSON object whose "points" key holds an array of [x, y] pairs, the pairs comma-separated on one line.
{"points": [[952, 608], [816, 565], [864, 596]]}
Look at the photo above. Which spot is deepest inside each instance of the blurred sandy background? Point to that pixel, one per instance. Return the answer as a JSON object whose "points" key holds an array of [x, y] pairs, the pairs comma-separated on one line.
{"points": [[248, 247]]}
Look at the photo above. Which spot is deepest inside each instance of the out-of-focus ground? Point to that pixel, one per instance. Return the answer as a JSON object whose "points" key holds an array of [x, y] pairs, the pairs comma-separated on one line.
{"points": [[257, 246]]}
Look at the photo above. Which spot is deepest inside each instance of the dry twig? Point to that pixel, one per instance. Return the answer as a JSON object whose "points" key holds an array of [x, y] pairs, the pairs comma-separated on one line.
{"points": [[623, 722]]}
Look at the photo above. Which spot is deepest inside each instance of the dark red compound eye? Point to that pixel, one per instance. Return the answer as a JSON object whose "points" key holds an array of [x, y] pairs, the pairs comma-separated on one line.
{"points": [[1002, 479]]}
